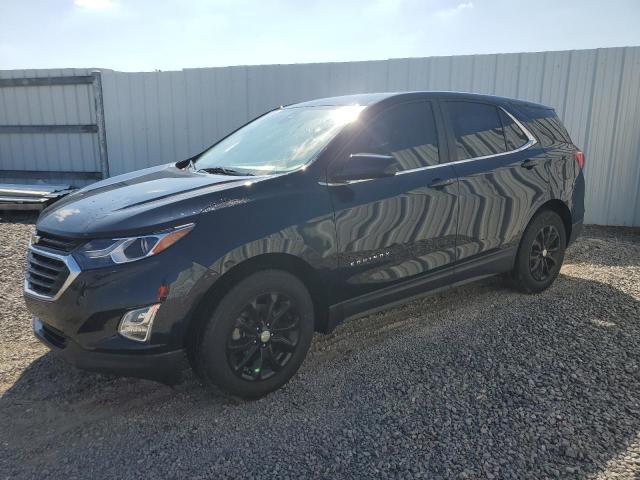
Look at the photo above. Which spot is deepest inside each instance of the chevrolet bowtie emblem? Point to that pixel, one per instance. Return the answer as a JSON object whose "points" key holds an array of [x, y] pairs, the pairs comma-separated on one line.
{"points": [[35, 239]]}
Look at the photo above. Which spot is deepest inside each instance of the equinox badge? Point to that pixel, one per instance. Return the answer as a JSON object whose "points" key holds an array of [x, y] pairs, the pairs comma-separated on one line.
{"points": [[369, 259]]}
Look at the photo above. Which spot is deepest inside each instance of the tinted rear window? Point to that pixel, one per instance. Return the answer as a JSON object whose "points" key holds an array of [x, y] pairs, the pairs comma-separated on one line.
{"points": [[477, 129]]}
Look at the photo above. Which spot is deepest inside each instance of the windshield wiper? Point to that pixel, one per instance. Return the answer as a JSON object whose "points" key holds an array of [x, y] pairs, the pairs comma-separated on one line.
{"points": [[225, 171]]}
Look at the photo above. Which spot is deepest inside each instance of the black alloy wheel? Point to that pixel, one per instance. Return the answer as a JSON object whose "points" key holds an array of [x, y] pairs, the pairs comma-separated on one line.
{"points": [[263, 337], [542, 257], [540, 254], [257, 336]]}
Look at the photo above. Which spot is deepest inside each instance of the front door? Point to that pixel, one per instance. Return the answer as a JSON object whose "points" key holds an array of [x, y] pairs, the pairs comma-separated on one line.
{"points": [[395, 229]]}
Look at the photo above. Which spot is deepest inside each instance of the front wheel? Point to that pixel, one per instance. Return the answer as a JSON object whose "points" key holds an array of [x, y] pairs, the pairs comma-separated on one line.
{"points": [[258, 335], [541, 253]]}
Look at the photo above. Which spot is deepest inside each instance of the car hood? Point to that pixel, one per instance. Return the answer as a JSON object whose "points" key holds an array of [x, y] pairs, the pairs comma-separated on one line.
{"points": [[139, 201]]}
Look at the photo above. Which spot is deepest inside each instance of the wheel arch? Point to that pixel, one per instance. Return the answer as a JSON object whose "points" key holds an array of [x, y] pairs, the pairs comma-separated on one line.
{"points": [[278, 261], [557, 206], [561, 208]]}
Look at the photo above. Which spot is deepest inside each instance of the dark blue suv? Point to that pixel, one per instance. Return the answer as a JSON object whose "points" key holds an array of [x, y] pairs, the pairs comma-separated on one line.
{"points": [[310, 214]]}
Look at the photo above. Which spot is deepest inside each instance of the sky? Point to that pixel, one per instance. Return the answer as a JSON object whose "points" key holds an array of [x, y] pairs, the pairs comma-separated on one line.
{"points": [[147, 35]]}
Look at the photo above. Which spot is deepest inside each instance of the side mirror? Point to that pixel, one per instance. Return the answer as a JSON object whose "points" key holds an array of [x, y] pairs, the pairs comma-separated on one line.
{"points": [[365, 166]]}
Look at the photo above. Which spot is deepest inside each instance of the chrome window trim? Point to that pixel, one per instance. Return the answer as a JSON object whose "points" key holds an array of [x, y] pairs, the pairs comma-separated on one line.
{"points": [[68, 260], [349, 182], [428, 167]]}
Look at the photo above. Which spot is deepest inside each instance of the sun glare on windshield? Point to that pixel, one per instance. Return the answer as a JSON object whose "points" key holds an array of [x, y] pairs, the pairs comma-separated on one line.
{"points": [[280, 141], [348, 114]]}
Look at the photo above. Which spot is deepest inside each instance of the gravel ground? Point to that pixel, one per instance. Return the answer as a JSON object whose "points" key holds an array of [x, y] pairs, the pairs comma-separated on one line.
{"points": [[499, 385]]}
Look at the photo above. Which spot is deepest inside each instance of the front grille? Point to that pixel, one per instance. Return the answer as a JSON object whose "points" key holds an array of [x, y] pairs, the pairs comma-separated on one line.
{"points": [[45, 275], [54, 336], [56, 242]]}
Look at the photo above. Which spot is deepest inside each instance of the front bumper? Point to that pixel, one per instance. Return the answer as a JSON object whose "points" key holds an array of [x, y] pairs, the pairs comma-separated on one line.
{"points": [[90, 308], [81, 322], [165, 367]]}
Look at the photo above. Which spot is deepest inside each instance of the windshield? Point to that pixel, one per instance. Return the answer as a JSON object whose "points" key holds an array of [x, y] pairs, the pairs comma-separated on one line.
{"points": [[280, 141]]}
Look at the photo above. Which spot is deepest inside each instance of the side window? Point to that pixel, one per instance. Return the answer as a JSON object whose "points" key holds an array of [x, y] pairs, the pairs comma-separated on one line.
{"points": [[477, 129], [513, 134], [406, 131]]}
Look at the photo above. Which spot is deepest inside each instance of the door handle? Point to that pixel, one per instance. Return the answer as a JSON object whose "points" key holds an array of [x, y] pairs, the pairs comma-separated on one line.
{"points": [[440, 183], [529, 164]]}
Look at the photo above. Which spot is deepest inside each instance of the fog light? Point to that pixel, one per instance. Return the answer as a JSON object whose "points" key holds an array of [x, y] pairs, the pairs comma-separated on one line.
{"points": [[136, 324]]}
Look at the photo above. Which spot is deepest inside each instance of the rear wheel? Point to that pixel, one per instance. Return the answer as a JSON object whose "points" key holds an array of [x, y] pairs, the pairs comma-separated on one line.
{"points": [[258, 335], [541, 253]]}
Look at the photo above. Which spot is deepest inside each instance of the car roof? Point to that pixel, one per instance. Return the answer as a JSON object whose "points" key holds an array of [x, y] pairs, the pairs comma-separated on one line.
{"points": [[364, 99], [368, 99]]}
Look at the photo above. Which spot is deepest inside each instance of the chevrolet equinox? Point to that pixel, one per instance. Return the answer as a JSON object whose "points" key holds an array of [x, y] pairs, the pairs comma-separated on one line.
{"points": [[312, 213]]}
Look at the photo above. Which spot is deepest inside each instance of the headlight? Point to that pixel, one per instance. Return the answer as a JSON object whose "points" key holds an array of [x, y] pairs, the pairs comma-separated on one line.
{"points": [[104, 252]]}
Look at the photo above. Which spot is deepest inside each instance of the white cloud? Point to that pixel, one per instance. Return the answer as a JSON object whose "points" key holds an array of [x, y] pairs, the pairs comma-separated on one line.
{"points": [[450, 12], [95, 4]]}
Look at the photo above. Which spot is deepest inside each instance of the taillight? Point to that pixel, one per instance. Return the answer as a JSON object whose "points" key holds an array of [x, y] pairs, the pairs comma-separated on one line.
{"points": [[579, 156]]}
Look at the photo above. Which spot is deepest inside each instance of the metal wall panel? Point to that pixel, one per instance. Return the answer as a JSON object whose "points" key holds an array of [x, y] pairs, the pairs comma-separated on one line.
{"points": [[161, 117], [48, 105]]}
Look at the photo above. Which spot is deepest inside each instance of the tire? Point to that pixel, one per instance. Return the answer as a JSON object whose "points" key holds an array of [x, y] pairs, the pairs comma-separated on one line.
{"points": [[258, 335], [544, 240]]}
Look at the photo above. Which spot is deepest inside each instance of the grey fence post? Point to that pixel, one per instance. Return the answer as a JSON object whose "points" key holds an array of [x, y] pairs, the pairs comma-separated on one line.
{"points": [[102, 133]]}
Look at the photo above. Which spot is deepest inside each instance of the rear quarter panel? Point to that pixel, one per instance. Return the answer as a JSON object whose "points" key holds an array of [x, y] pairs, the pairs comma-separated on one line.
{"points": [[566, 179]]}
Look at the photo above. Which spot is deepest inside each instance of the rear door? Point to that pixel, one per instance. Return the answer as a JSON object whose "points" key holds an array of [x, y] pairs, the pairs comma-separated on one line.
{"points": [[502, 180], [403, 227]]}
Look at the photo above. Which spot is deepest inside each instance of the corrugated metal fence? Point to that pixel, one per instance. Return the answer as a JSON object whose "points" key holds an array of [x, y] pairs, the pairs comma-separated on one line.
{"points": [[51, 126], [160, 117]]}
